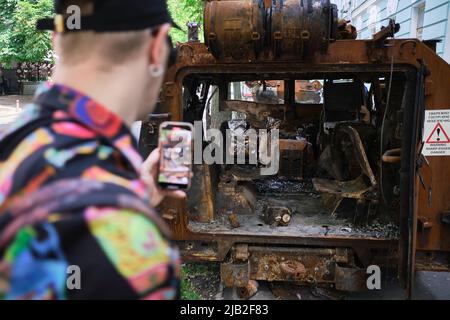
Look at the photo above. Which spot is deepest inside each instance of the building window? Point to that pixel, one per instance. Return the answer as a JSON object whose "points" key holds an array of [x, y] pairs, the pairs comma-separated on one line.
{"points": [[419, 12]]}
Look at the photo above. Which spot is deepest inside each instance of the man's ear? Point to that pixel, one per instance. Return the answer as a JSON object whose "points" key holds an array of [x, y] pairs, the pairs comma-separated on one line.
{"points": [[158, 47]]}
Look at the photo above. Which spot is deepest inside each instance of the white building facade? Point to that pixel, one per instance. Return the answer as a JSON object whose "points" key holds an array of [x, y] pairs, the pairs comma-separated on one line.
{"points": [[423, 19]]}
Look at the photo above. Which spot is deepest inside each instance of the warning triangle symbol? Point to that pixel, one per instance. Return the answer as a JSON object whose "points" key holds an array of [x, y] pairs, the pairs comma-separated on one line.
{"points": [[438, 135]]}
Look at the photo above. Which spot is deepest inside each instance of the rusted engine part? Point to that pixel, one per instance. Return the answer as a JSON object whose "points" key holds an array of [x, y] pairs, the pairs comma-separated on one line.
{"points": [[290, 29], [301, 28], [334, 191], [234, 29], [331, 267], [277, 216], [150, 133]]}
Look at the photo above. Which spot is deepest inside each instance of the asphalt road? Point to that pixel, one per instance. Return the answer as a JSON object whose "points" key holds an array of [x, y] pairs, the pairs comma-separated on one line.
{"points": [[11, 101], [11, 108], [429, 286]]}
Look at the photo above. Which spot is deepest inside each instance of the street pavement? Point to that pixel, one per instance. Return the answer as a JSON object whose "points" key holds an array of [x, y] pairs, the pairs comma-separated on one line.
{"points": [[10, 101], [11, 108], [429, 286]]}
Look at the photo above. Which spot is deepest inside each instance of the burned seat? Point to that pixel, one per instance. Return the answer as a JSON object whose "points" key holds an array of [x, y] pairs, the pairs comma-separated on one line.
{"points": [[344, 148]]}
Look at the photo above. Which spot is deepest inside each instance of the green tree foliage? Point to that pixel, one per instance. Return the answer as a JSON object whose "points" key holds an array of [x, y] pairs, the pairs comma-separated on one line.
{"points": [[20, 42], [184, 11], [19, 39]]}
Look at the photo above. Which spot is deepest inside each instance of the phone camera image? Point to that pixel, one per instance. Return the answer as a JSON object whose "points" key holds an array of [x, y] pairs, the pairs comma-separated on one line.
{"points": [[176, 156]]}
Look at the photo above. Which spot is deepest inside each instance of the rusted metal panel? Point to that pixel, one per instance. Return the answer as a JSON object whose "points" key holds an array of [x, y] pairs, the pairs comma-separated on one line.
{"points": [[340, 54], [437, 174], [302, 266]]}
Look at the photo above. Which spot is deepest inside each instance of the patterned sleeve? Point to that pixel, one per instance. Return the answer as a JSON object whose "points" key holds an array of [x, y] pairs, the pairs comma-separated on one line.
{"points": [[136, 249], [120, 254]]}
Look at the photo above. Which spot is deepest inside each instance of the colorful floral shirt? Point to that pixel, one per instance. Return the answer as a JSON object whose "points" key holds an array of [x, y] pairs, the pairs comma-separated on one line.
{"points": [[74, 216]]}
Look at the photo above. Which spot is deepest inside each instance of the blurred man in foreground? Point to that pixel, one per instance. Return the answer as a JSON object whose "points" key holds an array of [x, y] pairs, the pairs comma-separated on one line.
{"points": [[75, 198]]}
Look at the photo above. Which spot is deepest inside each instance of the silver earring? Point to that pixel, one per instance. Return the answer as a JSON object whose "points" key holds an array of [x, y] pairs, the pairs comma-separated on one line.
{"points": [[156, 71]]}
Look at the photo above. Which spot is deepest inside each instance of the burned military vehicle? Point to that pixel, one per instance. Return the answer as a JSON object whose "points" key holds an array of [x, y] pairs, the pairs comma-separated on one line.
{"points": [[353, 188]]}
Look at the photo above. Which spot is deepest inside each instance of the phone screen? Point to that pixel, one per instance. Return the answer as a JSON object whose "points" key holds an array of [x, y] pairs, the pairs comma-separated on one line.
{"points": [[175, 164]]}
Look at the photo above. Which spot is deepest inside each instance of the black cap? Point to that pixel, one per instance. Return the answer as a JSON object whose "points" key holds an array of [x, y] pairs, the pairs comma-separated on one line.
{"points": [[111, 15]]}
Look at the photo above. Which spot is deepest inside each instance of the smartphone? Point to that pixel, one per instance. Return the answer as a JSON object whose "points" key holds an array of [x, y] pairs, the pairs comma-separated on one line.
{"points": [[175, 165]]}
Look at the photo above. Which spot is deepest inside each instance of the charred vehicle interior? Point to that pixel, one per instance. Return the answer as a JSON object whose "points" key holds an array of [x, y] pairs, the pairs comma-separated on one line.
{"points": [[286, 80], [340, 153]]}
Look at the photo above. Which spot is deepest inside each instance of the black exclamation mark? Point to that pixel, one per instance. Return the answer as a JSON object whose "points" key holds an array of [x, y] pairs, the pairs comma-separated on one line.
{"points": [[438, 132]]}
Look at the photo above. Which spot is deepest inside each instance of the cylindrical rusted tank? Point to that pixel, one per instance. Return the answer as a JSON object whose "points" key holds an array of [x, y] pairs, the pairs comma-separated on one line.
{"points": [[283, 29], [299, 28], [235, 29]]}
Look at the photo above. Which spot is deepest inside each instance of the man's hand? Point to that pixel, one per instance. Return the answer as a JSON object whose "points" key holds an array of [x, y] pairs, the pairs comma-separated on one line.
{"points": [[149, 174]]}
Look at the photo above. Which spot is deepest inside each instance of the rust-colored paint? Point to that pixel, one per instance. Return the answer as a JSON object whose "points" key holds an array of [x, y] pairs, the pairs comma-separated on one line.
{"points": [[437, 175], [346, 56]]}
